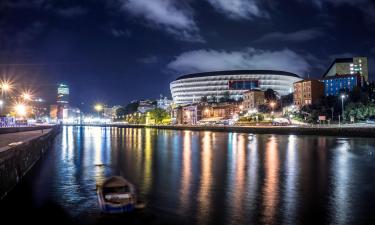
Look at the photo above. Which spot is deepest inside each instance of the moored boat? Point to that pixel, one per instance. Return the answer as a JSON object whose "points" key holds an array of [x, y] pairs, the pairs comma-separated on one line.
{"points": [[116, 195]]}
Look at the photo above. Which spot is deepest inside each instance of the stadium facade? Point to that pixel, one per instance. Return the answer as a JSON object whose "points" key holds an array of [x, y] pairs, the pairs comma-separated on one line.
{"points": [[192, 87]]}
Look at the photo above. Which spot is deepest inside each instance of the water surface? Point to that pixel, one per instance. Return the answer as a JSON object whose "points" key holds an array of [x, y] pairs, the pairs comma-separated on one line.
{"points": [[189, 177]]}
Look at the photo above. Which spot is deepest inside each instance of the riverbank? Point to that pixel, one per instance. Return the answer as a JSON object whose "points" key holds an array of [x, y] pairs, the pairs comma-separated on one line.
{"points": [[334, 130], [19, 151], [7, 130]]}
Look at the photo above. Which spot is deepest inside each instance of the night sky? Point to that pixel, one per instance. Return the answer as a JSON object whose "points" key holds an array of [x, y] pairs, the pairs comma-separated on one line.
{"points": [[116, 51]]}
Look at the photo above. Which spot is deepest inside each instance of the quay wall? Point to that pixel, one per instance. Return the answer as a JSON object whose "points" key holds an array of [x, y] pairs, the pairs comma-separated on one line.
{"points": [[7, 130], [16, 161], [340, 131]]}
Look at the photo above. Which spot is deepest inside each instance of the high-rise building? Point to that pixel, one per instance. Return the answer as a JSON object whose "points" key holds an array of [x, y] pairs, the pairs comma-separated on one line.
{"points": [[307, 92], [345, 66], [63, 94]]}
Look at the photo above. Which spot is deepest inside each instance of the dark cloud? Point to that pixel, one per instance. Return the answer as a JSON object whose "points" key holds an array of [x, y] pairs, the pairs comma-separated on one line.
{"points": [[175, 17], [23, 3], [367, 6], [118, 32], [70, 12], [238, 9], [149, 59], [297, 36]]}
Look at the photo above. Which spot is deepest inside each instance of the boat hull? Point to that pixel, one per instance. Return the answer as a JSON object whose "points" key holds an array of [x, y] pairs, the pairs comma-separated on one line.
{"points": [[111, 207]]}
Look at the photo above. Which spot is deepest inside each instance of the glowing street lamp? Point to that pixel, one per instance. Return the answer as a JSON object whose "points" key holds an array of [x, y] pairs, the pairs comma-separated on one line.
{"points": [[5, 86], [26, 96], [20, 109], [98, 108], [272, 104]]}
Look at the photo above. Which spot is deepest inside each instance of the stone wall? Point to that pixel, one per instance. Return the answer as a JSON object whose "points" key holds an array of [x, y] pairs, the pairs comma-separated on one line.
{"points": [[16, 161]]}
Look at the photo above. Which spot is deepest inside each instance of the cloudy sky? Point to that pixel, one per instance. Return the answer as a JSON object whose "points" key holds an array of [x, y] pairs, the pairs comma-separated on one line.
{"points": [[115, 51]]}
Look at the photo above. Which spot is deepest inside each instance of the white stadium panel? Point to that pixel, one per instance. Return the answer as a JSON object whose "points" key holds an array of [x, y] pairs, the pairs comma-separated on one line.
{"points": [[189, 88]]}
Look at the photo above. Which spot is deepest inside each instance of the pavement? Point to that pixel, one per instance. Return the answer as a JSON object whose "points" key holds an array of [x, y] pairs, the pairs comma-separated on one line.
{"points": [[13, 139]]}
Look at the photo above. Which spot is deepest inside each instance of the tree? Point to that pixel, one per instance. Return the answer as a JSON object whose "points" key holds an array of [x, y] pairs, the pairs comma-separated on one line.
{"points": [[359, 111], [131, 108], [226, 96], [213, 98], [270, 95], [287, 99], [204, 99], [158, 115], [120, 112]]}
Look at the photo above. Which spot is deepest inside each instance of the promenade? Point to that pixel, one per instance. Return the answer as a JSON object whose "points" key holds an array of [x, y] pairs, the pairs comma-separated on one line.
{"points": [[13, 139]]}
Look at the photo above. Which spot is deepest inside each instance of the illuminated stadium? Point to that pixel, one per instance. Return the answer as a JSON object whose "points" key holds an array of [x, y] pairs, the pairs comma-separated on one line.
{"points": [[192, 87]]}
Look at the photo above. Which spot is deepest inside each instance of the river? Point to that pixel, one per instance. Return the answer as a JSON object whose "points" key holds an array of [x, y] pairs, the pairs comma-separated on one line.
{"points": [[190, 177]]}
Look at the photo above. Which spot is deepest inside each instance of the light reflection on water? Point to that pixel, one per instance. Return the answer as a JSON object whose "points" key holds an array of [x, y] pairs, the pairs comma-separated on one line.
{"points": [[212, 177]]}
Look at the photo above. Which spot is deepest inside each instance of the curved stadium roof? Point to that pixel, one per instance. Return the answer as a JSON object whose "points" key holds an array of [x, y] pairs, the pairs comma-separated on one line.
{"points": [[236, 72]]}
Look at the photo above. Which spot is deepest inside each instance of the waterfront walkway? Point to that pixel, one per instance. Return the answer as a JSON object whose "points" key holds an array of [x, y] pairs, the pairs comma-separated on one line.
{"points": [[13, 139]]}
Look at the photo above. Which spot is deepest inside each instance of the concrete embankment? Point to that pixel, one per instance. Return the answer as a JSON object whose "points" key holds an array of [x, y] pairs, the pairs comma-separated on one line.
{"points": [[17, 158], [341, 131], [7, 130]]}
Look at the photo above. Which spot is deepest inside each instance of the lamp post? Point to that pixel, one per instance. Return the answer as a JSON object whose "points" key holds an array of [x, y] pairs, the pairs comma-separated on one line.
{"points": [[272, 104], [1, 106], [342, 105], [5, 87], [98, 108]]}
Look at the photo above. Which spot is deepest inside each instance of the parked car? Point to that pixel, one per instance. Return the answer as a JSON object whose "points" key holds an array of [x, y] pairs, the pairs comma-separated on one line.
{"points": [[281, 122], [371, 120]]}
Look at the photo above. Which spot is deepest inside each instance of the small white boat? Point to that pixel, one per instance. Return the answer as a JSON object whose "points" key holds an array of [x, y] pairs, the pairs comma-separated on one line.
{"points": [[116, 195]]}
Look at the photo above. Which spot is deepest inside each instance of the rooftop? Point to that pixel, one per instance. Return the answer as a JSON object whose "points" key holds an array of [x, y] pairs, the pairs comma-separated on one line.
{"points": [[237, 72], [338, 60]]}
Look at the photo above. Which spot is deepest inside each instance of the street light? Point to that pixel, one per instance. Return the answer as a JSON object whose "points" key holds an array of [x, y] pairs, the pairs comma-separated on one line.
{"points": [[20, 109], [342, 105], [1, 107], [272, 104], [98, 108], [26, 96], [5, 86]]}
